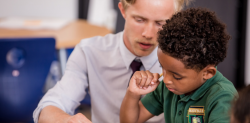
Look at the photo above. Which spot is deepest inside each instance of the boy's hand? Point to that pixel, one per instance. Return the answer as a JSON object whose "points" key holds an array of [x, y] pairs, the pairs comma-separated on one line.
{"points": [[143, 82]]}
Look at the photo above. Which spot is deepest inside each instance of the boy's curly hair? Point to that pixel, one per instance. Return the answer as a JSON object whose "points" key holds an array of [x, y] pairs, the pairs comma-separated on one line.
{"points": [[195, 37]]}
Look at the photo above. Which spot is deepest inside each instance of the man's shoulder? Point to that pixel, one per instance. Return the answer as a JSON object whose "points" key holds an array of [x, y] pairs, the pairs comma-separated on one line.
{"points": [[109, 40]]}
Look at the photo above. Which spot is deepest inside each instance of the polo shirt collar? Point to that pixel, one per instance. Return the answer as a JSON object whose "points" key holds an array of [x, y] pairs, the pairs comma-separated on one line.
{"points": [[203, 89], [128, 57]]}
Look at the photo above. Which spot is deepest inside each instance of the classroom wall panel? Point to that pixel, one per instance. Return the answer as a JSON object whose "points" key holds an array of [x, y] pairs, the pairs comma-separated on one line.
{"points": [[247, 55], [66, 9], [102, 13]]}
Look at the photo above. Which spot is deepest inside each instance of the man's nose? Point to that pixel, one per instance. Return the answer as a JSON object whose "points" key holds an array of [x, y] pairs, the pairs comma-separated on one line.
{"points": [[148, 31]]}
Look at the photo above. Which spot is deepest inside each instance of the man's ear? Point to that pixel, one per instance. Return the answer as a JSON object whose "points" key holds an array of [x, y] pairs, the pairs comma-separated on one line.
{"points": [[120, 6], [209, 72]]}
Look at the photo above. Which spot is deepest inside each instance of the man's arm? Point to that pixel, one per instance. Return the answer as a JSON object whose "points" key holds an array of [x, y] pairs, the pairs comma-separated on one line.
{"points": [[52, 114], [67, 93], [132, 110]]}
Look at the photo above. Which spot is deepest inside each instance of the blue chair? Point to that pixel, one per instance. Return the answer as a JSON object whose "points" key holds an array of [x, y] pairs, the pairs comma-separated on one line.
{"points": [[24, 65]]}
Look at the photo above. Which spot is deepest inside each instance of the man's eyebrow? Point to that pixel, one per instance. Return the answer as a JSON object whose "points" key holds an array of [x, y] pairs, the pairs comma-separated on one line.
{"points": [[160, 20], [138, 16]]}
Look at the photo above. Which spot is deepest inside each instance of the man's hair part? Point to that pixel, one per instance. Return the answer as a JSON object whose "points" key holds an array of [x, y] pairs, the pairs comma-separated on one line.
{"points": [[195, 37], [178, 4]]}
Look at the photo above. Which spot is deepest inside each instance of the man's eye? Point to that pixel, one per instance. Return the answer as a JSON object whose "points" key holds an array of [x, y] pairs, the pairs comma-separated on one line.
{"points": [[177, 78], [138, 20], [159, 24]]}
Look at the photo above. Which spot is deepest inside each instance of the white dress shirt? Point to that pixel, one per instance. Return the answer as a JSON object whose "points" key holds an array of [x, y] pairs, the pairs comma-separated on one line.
{"points": [[101, 64]]}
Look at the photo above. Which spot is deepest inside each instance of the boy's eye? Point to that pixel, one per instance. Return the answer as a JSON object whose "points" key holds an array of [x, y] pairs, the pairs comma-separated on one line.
{"points": [[177, 78]]}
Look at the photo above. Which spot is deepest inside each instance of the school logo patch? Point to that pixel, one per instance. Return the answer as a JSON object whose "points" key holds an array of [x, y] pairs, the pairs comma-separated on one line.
{"points": [[196, 114]]}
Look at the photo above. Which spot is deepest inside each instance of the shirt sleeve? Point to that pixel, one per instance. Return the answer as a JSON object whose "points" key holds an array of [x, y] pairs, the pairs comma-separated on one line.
{"points": [[70, 90], [153, 101], [220, 107]]}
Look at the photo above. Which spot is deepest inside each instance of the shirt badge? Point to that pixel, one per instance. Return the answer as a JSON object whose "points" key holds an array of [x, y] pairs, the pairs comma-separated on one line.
{"points": [[196, 114]]}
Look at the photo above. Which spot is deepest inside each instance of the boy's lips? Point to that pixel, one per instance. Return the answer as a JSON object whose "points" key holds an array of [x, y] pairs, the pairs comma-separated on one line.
{"points": [[145, 46], [170, 89]]}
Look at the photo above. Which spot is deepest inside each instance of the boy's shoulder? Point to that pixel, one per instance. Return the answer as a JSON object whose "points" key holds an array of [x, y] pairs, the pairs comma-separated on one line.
{"points": [[222, 84], [214, 90], [220, 90], [218, 98]]}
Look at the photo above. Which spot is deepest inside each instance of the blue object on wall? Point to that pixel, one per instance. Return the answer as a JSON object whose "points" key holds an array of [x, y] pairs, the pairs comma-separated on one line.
{"points": [[24, 65]]}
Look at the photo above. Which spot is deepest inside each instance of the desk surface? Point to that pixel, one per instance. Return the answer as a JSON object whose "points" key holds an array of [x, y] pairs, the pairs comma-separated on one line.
{"points": [[67, 37]]}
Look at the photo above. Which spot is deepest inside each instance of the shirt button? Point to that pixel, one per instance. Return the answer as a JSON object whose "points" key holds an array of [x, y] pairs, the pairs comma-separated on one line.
{"points": [[180, 112]]}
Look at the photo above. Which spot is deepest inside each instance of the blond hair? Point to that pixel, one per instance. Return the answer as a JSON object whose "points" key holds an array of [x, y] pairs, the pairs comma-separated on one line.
{"points": [[178, 4]]}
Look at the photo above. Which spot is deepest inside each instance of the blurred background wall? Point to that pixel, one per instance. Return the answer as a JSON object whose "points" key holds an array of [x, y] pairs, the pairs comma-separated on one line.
{"points": [[247, 55], [65, 9]]}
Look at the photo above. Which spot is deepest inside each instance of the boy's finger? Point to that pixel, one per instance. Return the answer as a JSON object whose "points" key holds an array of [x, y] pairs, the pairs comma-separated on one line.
{"points": [[149, 79], [137, 76], [155, 78], [144, 79]]}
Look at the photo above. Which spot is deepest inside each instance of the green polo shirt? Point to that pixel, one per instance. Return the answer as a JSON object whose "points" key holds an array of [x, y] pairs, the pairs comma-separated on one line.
{"points": [[209, 103]]}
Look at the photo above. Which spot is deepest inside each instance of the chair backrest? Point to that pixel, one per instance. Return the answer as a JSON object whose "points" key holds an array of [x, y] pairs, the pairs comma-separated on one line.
{"points": [[24, 66]]}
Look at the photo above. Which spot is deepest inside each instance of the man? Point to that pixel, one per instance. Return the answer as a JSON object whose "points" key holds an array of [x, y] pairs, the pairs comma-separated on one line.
{"points": [[102, 64]]}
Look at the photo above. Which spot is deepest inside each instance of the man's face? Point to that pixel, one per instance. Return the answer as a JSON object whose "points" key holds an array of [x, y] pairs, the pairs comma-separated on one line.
{"points": [[142, 22], [177, 78]]}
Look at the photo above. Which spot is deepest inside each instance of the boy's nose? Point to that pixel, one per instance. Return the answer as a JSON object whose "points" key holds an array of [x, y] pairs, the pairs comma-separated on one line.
{"points": [[168, 82]]}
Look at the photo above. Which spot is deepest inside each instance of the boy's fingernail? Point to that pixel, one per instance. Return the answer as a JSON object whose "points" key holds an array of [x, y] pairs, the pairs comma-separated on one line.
{"points": [[140, 87], [152, 83]]}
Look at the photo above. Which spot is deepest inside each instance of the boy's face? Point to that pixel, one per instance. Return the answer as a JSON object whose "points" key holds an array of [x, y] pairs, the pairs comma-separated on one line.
{"points": [[142, 22], [177, 78]]}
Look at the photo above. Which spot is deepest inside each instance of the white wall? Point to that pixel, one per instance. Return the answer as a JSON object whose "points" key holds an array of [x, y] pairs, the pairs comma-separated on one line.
{"points": [[247, 64], [64, 9], [102, 13]]}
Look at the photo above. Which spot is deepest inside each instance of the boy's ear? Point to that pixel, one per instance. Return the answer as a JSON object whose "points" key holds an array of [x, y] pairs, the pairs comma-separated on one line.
{"points": [[122, 10], [209, 72]]}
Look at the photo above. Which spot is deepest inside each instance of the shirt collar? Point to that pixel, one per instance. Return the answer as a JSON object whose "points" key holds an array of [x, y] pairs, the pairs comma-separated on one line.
{"points": [[128, 57], [203, 89]]}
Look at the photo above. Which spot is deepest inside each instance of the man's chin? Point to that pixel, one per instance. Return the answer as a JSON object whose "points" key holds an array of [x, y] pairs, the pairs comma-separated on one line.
{"points": [[142, 53]]}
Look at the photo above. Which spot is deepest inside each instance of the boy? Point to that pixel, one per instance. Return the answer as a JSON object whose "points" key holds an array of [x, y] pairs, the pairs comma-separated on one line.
{"points": [[191, 44]]}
